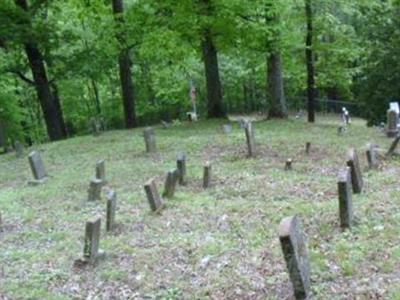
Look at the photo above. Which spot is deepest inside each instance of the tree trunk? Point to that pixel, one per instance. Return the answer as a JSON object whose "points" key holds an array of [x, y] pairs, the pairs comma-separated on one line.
{"points": [[50, 108], [128, 92], [278, 107], [310, 63], [214, 92]]}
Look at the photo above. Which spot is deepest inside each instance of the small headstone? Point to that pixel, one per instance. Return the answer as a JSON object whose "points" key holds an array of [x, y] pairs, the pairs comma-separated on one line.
{"points": [[170, 183], [308, 148], [111, 208], [392, 117], [372, 156], [300, 114], [356, 175], [345, 198], [94, 191], [251, 146], [295, 251], [227, 128], [346, 116], [192, 116], [153, 196], [181, 166], [288, 165], [101, 171], [37, 167], [165, 124], [150, 140], [207, 175], [19, 149], [91, 251]]}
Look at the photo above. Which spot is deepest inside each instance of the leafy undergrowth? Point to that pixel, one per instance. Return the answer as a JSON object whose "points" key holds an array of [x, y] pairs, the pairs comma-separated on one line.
{"points": [[216, 244]]}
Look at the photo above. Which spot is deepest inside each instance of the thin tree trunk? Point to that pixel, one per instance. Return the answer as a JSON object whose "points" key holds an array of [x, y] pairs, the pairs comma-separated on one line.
{"points": [[310, 63], [96, 96], [128, 92], [278, 107], [50, 108], [275, 86], [214, 91]]}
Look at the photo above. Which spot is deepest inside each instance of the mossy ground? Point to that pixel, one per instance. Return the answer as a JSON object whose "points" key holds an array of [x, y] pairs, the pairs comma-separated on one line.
{"points": [[219, 243]]}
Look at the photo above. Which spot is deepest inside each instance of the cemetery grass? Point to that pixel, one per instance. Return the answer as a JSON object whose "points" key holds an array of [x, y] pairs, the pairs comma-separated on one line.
{"points": [[219, 243]]}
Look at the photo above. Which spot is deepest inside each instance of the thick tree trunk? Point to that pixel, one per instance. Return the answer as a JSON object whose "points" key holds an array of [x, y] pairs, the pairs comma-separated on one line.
{"points": [[310, 63], [50, 108], [214, 92], [128, 92], [278, 107]]}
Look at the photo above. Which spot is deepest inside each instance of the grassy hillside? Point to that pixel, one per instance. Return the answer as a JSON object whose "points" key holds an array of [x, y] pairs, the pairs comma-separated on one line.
{"points": [[216, 244]]}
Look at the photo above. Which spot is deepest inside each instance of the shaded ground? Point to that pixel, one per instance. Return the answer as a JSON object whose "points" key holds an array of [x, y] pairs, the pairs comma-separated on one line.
{"points": [[216, 244]]}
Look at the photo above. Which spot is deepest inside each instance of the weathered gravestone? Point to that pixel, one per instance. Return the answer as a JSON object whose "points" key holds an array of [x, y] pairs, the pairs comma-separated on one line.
{"points": [[94, 191], [19, 149], [170, 183], [101, 171], [288, 165], [150, 140], [227, 128], [345, 198], [392, 117], [356, 175], [207, 175], [308, 148], [37, 167], [111, 208], [372, 156], [91, 252], [394, 106], [153, 196], [181, 166], [295, 251], [251, 145]]}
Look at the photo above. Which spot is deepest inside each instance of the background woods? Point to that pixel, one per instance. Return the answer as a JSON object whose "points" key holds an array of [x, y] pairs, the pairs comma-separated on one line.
{"points": [[133, 62]]}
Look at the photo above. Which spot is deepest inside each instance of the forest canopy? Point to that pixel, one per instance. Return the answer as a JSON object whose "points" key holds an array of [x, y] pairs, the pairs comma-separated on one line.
{"points": [[136, 62]]}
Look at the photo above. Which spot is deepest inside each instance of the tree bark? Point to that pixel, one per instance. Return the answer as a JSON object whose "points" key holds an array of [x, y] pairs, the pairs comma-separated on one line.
{"points": [[128, 91], [275, 86], [51, 109], [214, 92], [310, 63], [278, 108]]}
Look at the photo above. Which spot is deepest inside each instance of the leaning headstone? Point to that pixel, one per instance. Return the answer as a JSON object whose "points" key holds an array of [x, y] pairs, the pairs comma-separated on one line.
{"points": [[207, 177], [181, 166], [111, 208], [392, 117], [251, 146], [393, 146], [227, 128], [37, 167], [94, 191], [345, 198], [101, 171], [288, 165], [372, 156], [295, 251], [170, 183], [356, 175], [19, 149], [153, 196], [150, 140], [91, 251]]}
